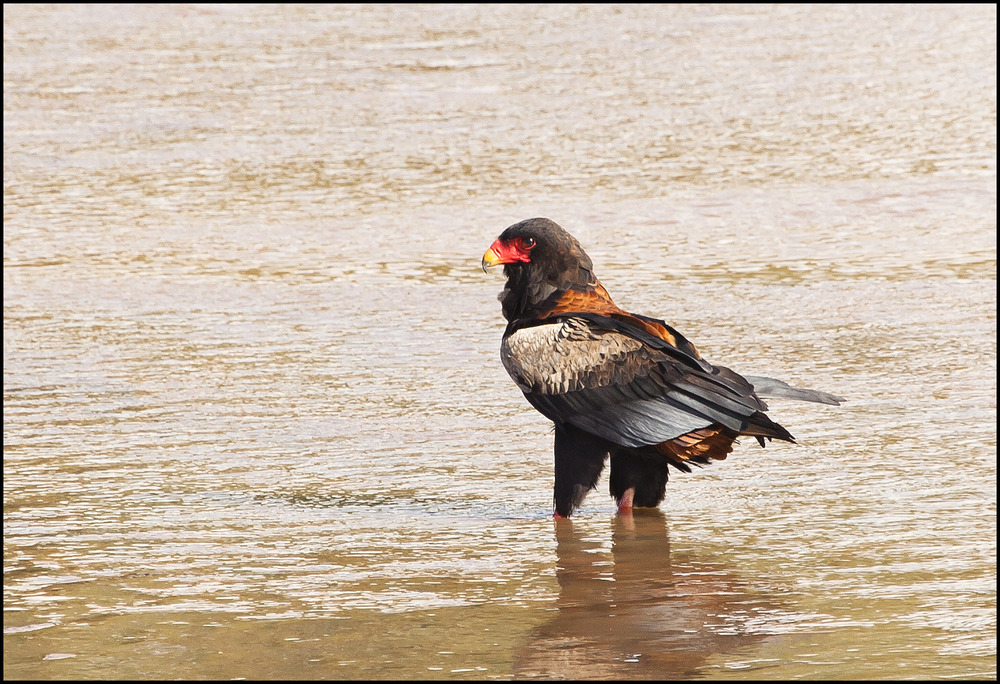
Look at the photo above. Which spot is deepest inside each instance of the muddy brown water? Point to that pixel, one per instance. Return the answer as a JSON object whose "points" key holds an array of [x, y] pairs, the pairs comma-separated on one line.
{"points": [[255, 424]]}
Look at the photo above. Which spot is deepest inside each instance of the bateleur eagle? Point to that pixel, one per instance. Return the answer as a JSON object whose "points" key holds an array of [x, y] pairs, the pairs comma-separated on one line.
{"points": [[616, 384]]}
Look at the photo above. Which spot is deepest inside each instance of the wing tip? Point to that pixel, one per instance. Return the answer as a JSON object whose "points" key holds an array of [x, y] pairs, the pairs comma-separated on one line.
{"points": [[773, 388]]}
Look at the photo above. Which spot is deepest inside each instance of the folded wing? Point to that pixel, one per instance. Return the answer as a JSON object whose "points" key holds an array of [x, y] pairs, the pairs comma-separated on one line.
{"points": [[626, 382]]}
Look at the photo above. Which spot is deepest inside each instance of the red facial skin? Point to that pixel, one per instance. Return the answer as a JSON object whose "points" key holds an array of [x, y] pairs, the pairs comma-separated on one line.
{"points": [[508, 252]]}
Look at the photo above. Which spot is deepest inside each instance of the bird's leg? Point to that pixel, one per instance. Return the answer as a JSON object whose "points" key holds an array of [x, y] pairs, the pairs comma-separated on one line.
{"points": [[638, 478], [625, 503], [579, 462]]}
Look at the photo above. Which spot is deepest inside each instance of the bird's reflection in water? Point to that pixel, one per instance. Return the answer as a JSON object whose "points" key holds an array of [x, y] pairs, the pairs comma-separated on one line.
{"points": [[637, 615]]}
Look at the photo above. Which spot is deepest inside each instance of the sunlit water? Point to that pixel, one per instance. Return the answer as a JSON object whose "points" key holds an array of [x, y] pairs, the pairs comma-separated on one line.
{"points": [[255, 424]]}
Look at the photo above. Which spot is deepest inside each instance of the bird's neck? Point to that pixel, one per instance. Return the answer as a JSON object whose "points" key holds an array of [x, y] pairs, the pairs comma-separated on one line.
{"points": [[525, 298]]}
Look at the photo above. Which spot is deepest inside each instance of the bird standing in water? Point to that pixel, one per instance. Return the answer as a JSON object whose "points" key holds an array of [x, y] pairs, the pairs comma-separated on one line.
{"points": [[616, 384]]}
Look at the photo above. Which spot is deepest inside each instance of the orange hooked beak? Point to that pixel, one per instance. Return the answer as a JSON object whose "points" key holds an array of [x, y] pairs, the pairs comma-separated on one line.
{"points": [[491, 258]]}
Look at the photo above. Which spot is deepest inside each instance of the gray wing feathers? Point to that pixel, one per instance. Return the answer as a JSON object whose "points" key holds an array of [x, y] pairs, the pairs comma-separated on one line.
{"points": [[769, 387], [614, 386], [630, 422]]}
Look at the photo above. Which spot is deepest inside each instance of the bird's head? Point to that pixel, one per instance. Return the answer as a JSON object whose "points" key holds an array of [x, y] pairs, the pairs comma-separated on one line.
{"points": [[540, 260]]}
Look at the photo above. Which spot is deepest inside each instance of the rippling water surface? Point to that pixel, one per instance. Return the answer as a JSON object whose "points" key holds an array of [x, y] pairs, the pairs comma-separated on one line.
{"points": [[255, 425]]}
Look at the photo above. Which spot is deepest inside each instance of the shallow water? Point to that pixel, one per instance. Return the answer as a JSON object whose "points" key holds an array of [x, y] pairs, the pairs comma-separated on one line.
{"points": [[255, 424]]}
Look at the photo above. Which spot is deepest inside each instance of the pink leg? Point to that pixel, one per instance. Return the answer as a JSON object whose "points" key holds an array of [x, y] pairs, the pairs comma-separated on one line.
{"points": [[625, 504]]}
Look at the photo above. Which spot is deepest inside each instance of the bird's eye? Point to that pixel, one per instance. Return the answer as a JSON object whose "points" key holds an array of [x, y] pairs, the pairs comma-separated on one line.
{"points": [[527, 242]]}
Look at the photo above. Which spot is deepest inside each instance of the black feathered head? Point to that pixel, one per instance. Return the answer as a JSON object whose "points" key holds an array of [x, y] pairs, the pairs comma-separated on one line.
{"points": [[540, 260]]}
